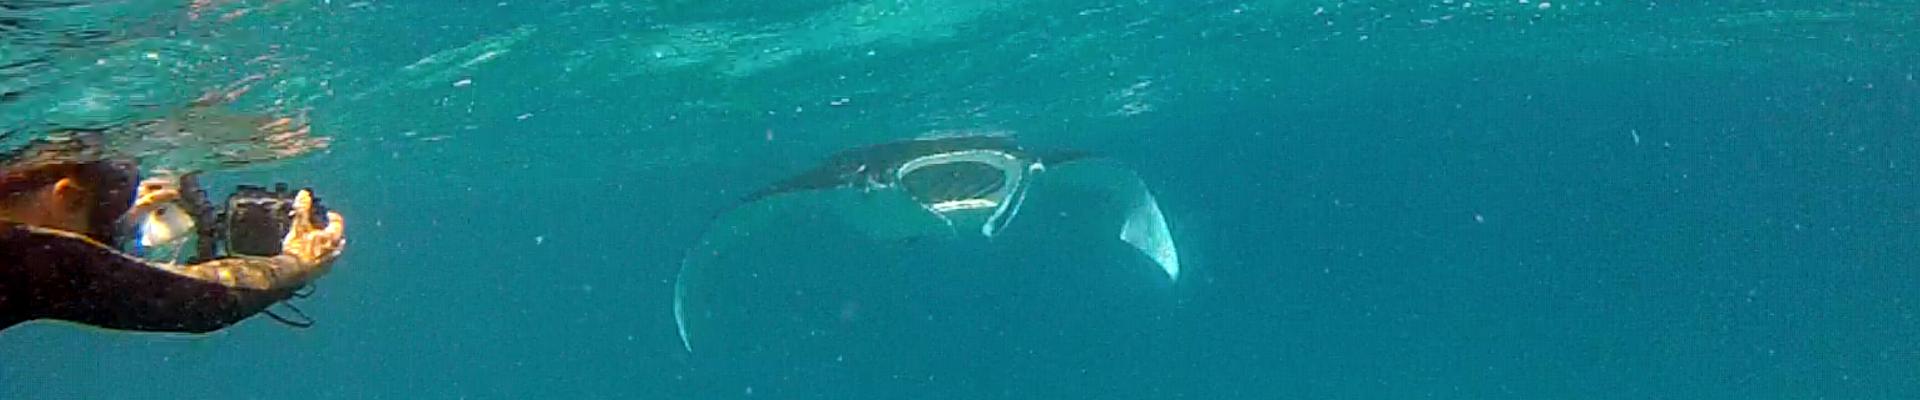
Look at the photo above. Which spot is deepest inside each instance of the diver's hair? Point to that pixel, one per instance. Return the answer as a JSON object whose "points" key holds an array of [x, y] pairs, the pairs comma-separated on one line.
{"points": [[109, 183]]}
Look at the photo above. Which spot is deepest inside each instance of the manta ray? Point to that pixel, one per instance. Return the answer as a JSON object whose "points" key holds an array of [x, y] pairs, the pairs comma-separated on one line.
{"points": [[973, 183]]}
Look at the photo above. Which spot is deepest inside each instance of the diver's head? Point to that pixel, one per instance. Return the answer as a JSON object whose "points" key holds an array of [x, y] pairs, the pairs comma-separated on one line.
{"points": [[62, 184]]}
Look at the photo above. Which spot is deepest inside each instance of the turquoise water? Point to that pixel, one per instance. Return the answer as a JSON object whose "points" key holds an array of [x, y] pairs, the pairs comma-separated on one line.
{"points": [[1379, 199]]}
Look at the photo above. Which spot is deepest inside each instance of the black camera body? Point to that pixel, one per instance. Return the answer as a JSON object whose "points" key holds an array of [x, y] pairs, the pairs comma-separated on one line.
{"points": [[253, 222], [256, 220]]}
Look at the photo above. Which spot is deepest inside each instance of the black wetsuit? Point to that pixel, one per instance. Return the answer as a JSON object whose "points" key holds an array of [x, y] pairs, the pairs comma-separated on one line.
{"points": [[50, 276]]}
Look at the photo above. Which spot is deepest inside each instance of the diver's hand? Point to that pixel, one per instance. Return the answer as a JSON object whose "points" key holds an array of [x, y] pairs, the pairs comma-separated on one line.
{"points": [[313, 247], [154, 192], [306, 254]]}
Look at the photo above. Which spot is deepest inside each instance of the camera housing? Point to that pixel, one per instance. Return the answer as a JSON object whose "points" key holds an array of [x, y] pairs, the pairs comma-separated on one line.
{"points": [[256, 219]]}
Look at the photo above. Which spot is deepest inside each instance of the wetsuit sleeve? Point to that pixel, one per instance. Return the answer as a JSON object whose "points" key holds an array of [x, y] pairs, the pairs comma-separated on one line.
{"points": [[47, 275]]}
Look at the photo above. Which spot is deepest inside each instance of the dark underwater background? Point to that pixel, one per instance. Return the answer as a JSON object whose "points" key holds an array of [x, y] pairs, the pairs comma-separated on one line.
{"points": [[1435, 199]]}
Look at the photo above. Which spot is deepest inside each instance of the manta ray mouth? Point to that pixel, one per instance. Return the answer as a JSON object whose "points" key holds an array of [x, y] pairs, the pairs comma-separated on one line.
{"points": [[963, 184], [955, 186]]}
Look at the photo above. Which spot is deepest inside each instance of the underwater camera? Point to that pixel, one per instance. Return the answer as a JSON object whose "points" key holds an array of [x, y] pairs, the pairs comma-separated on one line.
{"points": [[253, 222], [256, 220]]}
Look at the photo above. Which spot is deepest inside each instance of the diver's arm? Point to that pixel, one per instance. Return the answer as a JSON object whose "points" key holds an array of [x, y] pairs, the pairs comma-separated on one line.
{"points": [[307, 252], [256, 273], [54, 274], [64, 276]]}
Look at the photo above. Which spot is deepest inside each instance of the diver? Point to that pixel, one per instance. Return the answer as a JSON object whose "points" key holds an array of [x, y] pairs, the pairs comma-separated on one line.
{"points": [[68, 211]]}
